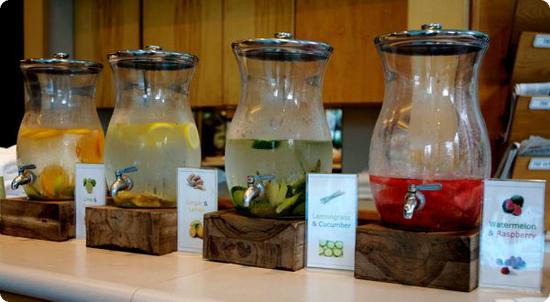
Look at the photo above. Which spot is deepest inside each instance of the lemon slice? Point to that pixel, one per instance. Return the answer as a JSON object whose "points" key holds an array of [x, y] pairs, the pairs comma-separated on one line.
{"points": [[160, 125], [191, 135]]}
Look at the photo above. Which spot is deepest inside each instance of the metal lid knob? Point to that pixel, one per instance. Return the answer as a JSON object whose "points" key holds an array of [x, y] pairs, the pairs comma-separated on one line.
{"points": [[61, 55], [284, 35], [153, 48], [431, 26]]}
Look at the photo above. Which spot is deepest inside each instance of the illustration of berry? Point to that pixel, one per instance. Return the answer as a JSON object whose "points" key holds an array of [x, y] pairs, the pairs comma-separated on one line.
{"points": [[517, 211], [508, 206], [518, 200], [505, 270], [499, 262]]}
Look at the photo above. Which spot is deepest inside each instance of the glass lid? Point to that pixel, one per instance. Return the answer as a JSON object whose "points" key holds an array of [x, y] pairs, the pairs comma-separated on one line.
{"points": [[432, 39], [61, 64], [282, 48], [153, 58]]}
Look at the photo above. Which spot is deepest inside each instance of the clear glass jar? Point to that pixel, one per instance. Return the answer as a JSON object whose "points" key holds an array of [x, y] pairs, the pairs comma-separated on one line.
{"points": [[60, 126], [152, 131], [430, 151], [279, 131]]}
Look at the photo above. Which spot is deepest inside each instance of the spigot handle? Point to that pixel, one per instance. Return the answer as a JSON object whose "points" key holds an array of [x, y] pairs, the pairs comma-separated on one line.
{"points": [[23, 168], [425, 187], [129, 169]]}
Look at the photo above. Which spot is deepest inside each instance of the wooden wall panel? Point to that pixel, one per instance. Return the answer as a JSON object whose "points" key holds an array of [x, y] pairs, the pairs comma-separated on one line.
{"points": [[246, 19], [35, 27], [354, 73], [193, 26], [103, 27], [494, 17], [453, 14]]}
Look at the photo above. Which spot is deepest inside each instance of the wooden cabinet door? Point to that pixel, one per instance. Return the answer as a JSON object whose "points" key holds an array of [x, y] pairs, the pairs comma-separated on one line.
{"points": [[102, 27], [247, 19], [354, 73], [193, 26]]}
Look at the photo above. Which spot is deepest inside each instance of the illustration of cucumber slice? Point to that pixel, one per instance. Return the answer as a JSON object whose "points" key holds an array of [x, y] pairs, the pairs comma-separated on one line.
{"points": [[339, 244], [337, 252], [322, 242], [330, 244], [321, 251], [328, 252]]}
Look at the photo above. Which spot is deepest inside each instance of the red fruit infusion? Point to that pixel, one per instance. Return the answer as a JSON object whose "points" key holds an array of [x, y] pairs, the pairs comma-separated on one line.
{"points": [[456, 207]]}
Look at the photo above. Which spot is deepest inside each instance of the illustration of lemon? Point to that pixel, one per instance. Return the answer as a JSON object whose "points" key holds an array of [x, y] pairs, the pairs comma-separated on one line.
{"points": [[191, 135], [54, 181]]}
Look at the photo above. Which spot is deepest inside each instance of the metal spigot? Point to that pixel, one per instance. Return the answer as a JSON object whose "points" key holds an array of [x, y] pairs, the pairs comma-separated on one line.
{"points": [[24, 176], [415, 200], [255, 189], [122, 182]]}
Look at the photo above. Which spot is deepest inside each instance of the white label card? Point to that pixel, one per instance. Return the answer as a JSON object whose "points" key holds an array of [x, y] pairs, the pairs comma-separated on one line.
{"points": [[331, 215], [512, 235], [541, 41], [539, 163], [539, 103], [90, 190], [197, 195]]}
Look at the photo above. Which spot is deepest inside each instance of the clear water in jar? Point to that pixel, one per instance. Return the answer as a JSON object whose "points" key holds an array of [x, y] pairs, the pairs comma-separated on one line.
{"points": [[157, 150], [55, 152], [287, 160]]}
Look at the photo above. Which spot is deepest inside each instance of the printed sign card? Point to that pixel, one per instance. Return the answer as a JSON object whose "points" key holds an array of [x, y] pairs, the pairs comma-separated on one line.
{"points": [[331, 214], [90, 190], [197, 195], [512, 235]]}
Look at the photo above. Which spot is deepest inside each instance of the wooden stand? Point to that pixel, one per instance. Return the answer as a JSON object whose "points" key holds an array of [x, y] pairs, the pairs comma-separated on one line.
{"points": [[447, 260], [149, 231], [46, 220], [267, 243]]}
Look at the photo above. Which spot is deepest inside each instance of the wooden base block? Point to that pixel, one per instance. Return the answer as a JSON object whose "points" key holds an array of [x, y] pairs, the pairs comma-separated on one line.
{"points": [[46, 220], [447, 260], [149, 231], [262, 242]]}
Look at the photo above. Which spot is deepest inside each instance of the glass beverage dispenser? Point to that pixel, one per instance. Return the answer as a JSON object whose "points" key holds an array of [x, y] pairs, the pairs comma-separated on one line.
{"points": [[152, 131], [430, 151], [60, 126], [279, 131]]}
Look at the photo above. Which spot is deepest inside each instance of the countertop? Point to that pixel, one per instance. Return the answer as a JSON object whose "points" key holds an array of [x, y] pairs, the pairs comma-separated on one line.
{"points": [[68, 271]]}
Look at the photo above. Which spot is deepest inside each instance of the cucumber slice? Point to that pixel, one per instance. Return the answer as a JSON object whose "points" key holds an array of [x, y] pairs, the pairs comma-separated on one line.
{"points": [[32, 192], [237, 194], [339, 244], [287, 203], [322, 242], [330, 244], [337, 253], [298, 186], [328, 252], [265, 144]]}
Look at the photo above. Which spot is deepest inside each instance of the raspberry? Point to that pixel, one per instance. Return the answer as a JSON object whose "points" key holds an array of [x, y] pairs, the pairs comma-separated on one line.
{"points": [[508, 206], [505, 270], [517, 211]]}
